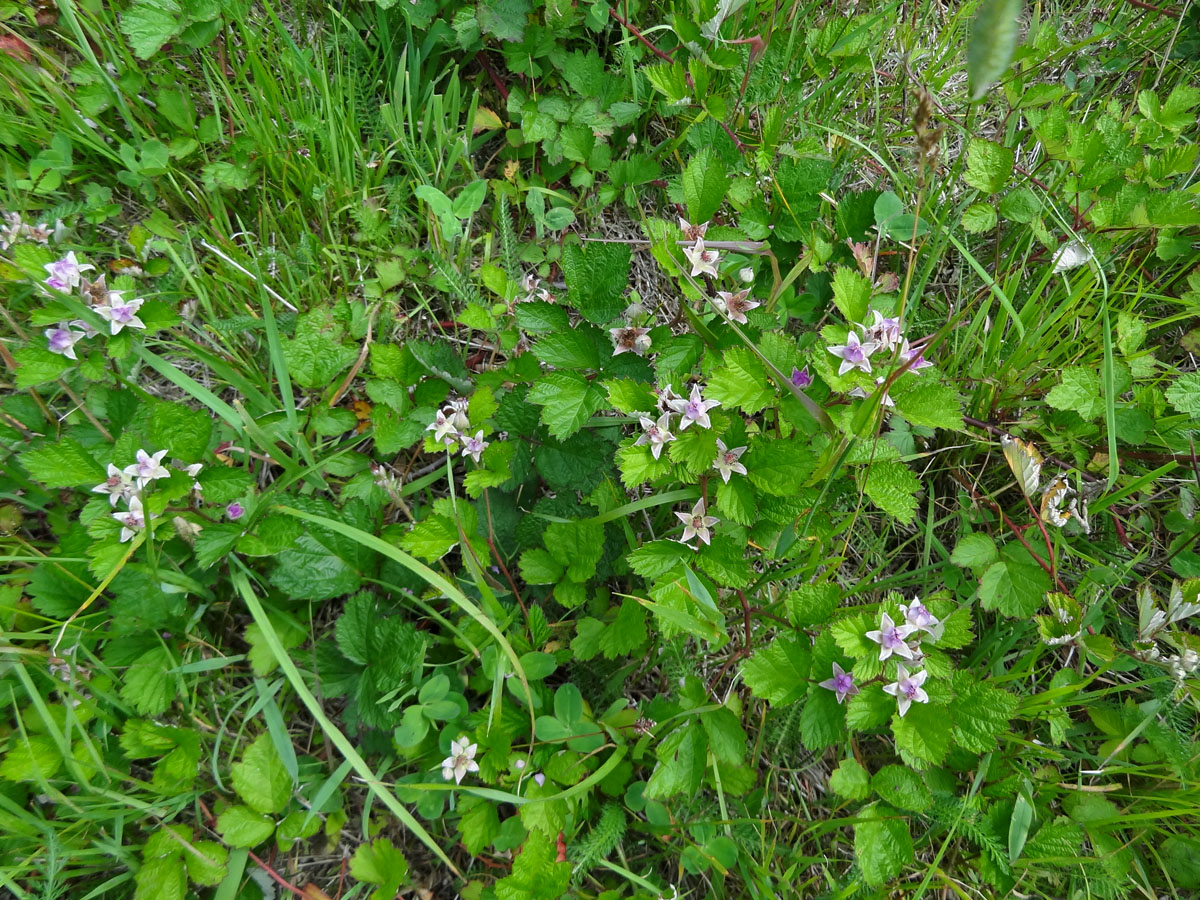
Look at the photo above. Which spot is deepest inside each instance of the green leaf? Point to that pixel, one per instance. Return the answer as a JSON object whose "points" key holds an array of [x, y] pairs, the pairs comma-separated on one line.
{"points": [[262, 660], [381, 864], [147, 687], [931, 404], [241, 826], [870, 708], [503, 19], [1078, 391], [31, 759], [694, 449], [469, 199], [812, 604], [893, 488], [822, 724], [597, 278], [736, 501], [535, 874], [658, 558], [989, 165], [851, 293], [681, 763], [567, 402], [629, 396], [161, 878], [902, 787], [779, 467], [180, 429], [576, 545], [37, 365], [207, 862], [261, 778], [480, 823], [149, 24], [539, 566], [315, 356], [307, 570], [1015, 585], [571, 348], [741, 382], [622, 636], [704, 183], [978, 218], [1184, 394], [974, 551], [850, 780], [778, 673], [65, 463], [991, 43], [981, 713], [882, 844], [923, 734]]}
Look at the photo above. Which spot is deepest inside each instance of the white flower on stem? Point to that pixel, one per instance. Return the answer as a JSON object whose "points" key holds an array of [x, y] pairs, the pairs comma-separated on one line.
{"points": [[148, 468], [529, 287], [62, 340], [884, 332], [692, 232], [917, 356], [444, 428], [457, 410], [746, 274], [703, 260], [736, 304], [696, 524], [854, 354], [460, 761], [916, 615], [907, 688], [132, 520], [118, 486], [842, 683], [11, 230], [39, 233], [121, 312], [656, 434], [694, 409], [630, 340], [727, 460], [65, 273], [891, 638], [474, 446]]}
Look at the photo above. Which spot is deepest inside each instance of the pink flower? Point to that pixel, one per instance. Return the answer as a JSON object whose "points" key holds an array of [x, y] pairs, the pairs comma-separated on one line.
{"points": [[891, 638], [854, 354], [630, 340], [474, 446], [883, 331], [132, 521], [656, 434], [918, 356], [907, 688], [703, 261], [120, 312], [842, 683], [736, 304], [801, 377], [696, 524], [694, 409], [148, 468], [62, 340], [65, 272], [118, 486]]}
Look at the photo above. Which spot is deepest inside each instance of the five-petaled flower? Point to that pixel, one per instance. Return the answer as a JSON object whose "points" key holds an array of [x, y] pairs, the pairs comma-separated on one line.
{"points": [[842, 683], [694, 409], [474, 446], [460, 761], [148, 468], [630, 340], [727, 460], [656, 434], [62, 340], [885, 332], [703, 260], [916, 615], [891, 638], [917, 356], [801, 377], [907, 688], [65, 272], [121, 312], [736, 304], [444, 428], [696, 524], [118, 486], [854, 353], [133, 520]]}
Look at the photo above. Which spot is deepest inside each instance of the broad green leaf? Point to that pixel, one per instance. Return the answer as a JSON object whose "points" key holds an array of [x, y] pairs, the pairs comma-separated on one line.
{"points": [[882, 844], [381, 864], [207, 862], [480, 822], [981, 713], [823, 722], [1184, 394], [741, 382], [1015, 585], [571, 348], [161, 878], [65, 463], [1078, 391], [811, 604], [535, 874], [704, 183], [978, 218], [850, 780], [902, 787], [184, 431], [779, 467], [989, 165], [149, 24], [893, 488], [991, 43], [37, 365], [778, 672], [241, 826], [597, 277], [261, 779], [931, 404], [851, 294], [567, 402], [974, 551], [923, 734]]}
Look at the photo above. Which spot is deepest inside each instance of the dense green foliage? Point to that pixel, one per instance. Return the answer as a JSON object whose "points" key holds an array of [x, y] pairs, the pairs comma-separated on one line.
{"points": [[522, 449]]}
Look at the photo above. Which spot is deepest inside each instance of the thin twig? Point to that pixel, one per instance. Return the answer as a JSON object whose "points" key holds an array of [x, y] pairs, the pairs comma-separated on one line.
{"points": [[637, 34]]}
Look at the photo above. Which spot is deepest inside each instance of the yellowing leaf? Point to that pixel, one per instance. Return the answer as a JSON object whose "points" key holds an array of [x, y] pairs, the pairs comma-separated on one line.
{"points": [[1025, 461]]}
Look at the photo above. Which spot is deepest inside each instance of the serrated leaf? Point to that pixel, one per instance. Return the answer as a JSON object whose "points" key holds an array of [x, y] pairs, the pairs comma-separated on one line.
{"points": [[571, 348], [241, 826], [893, 488], [567, 402], [850, 780], [161, 878], [882, 844], [658, 558], [989, 165], [741, 382], [851, 293], [381, 864], [207, 862], [933, 405], [149, 24], [261, 779], [902, 787], [981, 713], [991, 43], [822, 723], [923, 734], [1078, 391], [597, 278], [778, 673], [704, 183], [63, 464], [978, 218], [779, 467], [811, 604], [974, 551], [1015, 585], [1184, 394]]}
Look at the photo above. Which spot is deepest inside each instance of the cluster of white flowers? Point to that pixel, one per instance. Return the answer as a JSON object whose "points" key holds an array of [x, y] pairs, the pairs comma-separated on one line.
{"points": [[691, 410], [126, 486], [66, 275], [14, 230], [704, 260], [895, 639], [452, 426]]}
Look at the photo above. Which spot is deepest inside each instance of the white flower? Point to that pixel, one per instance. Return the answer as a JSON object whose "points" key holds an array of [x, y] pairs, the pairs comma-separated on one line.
{"points": [[11, 230], [917, 356], [119, 485], [193, 470], [854, 353], [656, 434], [727, 460], [746, 274], [696, 524], [62, 340], [85, 327], [133, 520], [736, 304], [630, 340], [460, 761], [702, 260], [65, 272], [886, 400], [457, 409], [694, 409], [891, 638], [474, 446], [907, 688], [916, 615], [40, 233], [148, 468], [120, 312], [883, 331], [444, 428]]}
